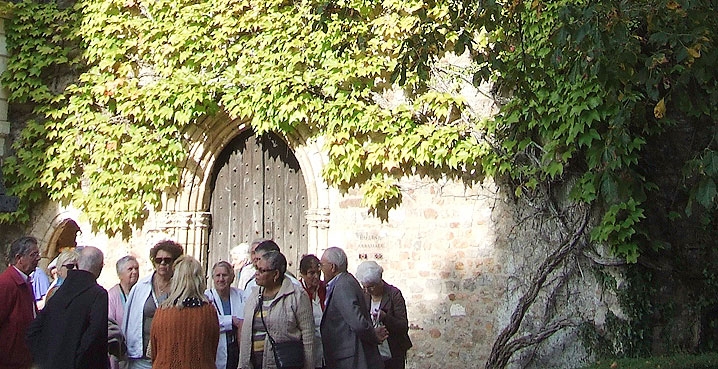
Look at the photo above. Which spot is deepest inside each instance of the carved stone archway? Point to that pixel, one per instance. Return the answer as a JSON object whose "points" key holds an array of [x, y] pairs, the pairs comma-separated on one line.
{"points": [[61, 231], [185, 216]]}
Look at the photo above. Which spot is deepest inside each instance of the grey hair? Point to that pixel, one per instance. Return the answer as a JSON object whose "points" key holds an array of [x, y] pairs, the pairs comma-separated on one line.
{"points": [[123, 261], [369, 272], [20, 247], [338, 257], [91, 259], [276, 260], [227, 266]]}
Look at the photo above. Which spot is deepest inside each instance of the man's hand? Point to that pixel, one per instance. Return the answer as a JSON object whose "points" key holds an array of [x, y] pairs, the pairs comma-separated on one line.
{"points": [[381, 333]]}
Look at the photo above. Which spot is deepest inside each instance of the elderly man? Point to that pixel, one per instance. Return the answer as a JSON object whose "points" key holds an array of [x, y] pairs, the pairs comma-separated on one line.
{"points": [[71, 332], [348, 336], [17, 306], [263, 247]]}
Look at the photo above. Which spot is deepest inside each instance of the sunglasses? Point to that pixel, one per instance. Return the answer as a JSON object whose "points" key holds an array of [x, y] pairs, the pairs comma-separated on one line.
{"points": [[164, 260], [70, 266]]}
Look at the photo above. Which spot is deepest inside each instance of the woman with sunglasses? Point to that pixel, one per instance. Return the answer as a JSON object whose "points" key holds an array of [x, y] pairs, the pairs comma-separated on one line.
{"points": [[143, 300], [277, 311], [67, 260]]}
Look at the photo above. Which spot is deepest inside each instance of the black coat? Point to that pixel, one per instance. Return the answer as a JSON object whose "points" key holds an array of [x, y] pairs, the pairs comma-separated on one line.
{"points": [[71, 331], [395, 320]]}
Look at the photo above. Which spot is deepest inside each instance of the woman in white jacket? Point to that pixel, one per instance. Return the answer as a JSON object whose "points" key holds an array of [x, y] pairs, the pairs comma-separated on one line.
{"points": [[228, 302], [143, 300]]}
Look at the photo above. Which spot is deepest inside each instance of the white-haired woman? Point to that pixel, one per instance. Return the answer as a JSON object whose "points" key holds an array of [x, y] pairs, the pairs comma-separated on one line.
{"points": [[387, 307], [128, 271], [228, 302], [185, 329]]}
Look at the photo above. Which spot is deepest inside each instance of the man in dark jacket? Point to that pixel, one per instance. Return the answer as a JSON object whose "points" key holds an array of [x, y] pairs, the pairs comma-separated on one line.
{"points": [[349, 339], [71, 332]]}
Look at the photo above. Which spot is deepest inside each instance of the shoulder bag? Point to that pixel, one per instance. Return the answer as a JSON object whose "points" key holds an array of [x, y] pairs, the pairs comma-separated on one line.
{"points": [[287, 355]]}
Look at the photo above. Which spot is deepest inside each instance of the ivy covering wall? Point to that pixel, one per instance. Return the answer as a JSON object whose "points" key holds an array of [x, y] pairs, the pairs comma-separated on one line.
{"points": [[588, 90]]}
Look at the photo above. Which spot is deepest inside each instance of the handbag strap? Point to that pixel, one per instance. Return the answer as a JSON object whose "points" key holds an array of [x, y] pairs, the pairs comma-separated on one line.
{"points": [[260, 305]]}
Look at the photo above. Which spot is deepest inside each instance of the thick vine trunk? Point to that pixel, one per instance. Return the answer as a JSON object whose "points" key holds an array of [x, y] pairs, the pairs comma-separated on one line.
{"points": [[506, 345]]}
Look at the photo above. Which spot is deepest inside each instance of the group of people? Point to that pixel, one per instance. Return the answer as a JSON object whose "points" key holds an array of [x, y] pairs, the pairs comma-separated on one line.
{"points": [[72, 328], [170, 319]]}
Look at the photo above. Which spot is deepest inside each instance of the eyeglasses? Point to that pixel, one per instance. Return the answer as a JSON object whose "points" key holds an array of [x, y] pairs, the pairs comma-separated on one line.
{"points": [[164, 260], [70, 266], [260, 270], [32, 255]]}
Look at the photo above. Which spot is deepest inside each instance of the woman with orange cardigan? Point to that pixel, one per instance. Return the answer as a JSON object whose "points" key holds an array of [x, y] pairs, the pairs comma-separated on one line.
{"points": [[185, 329]]}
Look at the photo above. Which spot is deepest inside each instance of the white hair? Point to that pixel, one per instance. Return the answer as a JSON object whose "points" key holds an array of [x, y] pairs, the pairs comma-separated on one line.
{"points": [[337, 257], [369, 272], [240, 250]]}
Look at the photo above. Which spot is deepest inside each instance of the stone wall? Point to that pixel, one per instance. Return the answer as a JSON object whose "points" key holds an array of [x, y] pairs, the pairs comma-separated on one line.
{"points": [[439, 248], [463, 258]]}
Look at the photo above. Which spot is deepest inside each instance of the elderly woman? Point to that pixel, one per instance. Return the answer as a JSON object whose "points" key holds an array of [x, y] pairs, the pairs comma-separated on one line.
{"points": [[185, 329], [227, 300], [128, 271], [387, 307], [317, 291], [143, 300], [277, 311], [67, 260]]}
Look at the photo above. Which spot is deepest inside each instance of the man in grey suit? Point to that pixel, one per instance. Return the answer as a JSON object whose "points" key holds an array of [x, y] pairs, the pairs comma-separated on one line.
{"points": [[348, 336]]}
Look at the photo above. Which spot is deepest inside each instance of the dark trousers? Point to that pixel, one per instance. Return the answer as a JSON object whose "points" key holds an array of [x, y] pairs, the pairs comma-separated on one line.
{"points": [[396, 362]]}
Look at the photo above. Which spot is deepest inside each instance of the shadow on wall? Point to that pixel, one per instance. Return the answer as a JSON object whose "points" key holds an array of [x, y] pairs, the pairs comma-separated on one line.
{"points": [[63, 237]]}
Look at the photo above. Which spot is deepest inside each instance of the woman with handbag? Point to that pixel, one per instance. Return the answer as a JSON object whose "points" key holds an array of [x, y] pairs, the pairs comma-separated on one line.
{"points": [[278, 328], [387, 308]]}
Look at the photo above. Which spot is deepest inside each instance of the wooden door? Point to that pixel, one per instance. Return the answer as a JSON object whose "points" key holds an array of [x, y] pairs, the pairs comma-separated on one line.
{"points": [[258, 191]]}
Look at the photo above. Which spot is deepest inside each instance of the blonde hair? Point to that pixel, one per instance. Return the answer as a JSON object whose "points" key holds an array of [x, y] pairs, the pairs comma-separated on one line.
{"points": [[65, 256], [188, 281]]}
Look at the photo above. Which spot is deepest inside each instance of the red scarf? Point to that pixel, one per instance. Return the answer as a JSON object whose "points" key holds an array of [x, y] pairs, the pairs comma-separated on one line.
{"points": [[321, 291]]}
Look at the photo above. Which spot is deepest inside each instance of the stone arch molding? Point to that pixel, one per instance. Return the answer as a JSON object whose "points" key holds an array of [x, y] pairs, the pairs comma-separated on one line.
{"points": [[185, 214], [48, 227]]}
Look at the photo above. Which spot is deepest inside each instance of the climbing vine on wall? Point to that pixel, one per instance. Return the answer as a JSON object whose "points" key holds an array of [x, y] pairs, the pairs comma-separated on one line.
{"points": [[111, 85]]}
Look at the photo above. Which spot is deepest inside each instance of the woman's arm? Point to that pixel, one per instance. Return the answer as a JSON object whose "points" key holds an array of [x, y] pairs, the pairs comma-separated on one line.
{"points": [[395, 318], [305, 319]]}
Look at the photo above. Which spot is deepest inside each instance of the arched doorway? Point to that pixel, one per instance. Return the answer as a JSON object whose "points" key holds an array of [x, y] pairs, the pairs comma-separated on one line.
{"points": [[258, 191], [63, 238]]}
